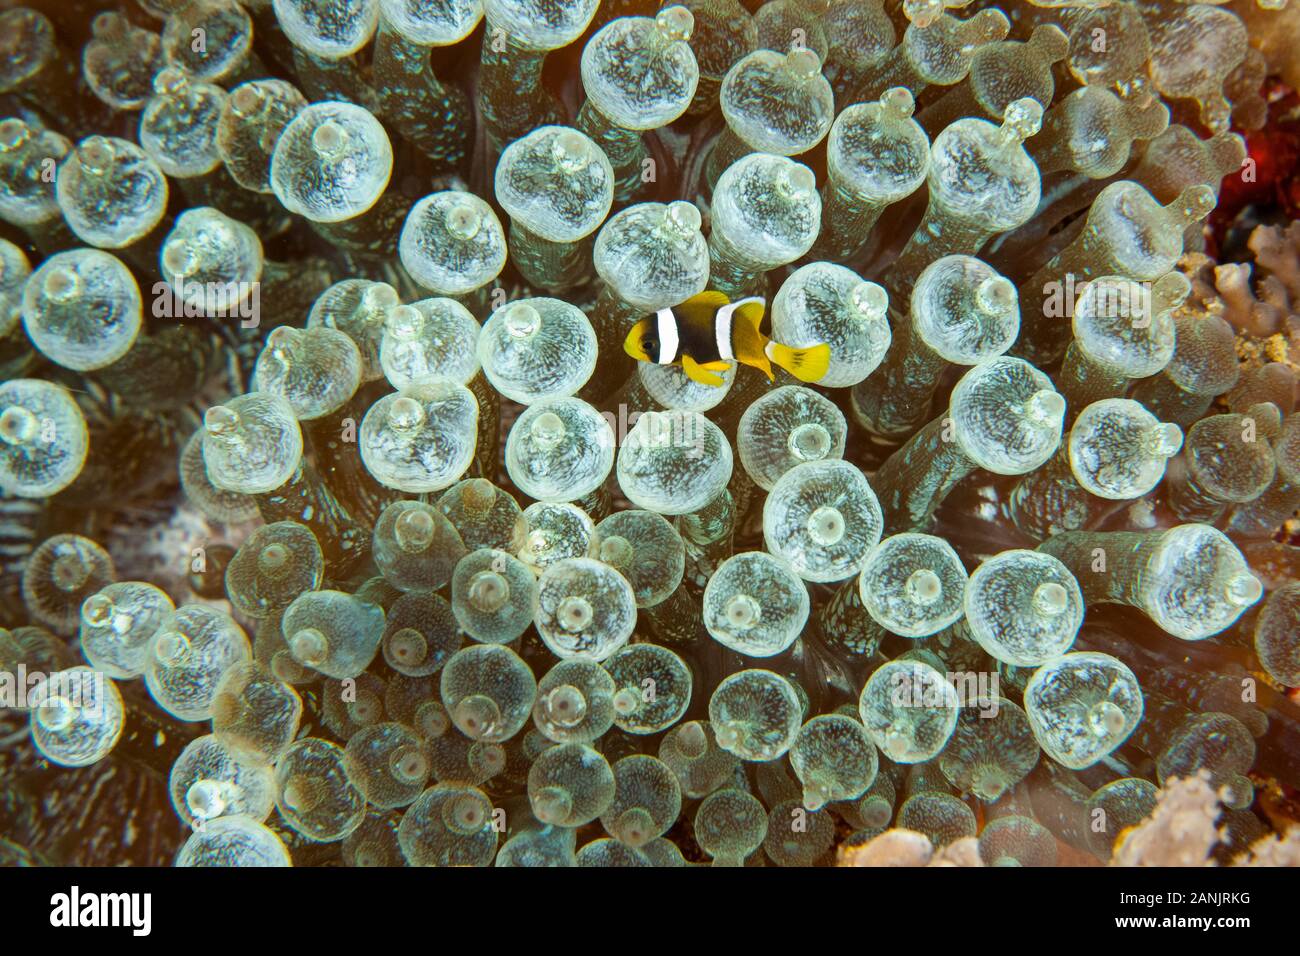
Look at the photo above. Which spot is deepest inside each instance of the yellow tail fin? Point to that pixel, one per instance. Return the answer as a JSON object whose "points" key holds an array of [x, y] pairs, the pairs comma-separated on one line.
{"points": [[807, 365]]}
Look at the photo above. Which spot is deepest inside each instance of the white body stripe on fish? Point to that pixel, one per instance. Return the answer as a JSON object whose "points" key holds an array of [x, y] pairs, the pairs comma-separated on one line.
{"points": [[668, 339], [722, 331], [725, 321]]}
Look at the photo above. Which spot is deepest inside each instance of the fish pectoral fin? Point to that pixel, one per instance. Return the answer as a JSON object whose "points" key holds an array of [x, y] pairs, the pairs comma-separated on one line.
{"points": [[721, 365], [699, 373]]}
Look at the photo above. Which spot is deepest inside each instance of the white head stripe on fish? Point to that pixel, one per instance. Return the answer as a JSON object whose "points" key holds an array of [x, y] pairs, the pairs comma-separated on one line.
{"points": [[668, 339]]}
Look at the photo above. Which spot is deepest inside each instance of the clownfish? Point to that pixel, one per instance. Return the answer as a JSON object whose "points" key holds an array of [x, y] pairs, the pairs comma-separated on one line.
{"points": [[707, 333]]}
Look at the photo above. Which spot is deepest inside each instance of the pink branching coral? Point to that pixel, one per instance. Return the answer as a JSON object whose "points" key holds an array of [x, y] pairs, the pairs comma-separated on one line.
{"points": [[1262, 299]]}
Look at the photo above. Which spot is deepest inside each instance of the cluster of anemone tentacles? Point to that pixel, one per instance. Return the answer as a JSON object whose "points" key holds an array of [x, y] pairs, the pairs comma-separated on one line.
{"points": [[338, 525]]}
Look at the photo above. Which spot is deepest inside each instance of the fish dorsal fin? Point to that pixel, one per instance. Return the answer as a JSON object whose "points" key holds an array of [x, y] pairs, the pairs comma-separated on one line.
{"points": [[698, 373], [700, 309], [745, 323]]}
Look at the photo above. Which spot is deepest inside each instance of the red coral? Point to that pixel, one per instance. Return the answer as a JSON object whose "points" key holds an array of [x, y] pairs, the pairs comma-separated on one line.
{"points": [[1275, 152]]}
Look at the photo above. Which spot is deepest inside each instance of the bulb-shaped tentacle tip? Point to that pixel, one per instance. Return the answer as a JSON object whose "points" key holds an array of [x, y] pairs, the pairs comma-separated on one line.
{"points": [[414, 530], [552, 805], [310, 646], [463, 221], [809, 441], [742, 611], [330, 139], [627, 702], [408, 764], [477, 715], [575, 613], [18, 426], [898, 102], [467, 813], [172, 648], [1022, 119], [728, 736], [488, 591], [206, 798], [898, 741], [826, 525], [571, 150], [1106, 719], [366, 709], [566, 706], [56, 713], [875, 811], [302, 793], [404, 323], [1046, 407], [274, 558], [405, 415], [62, 284], [803, 64], [1051, 599], [221, 422], [408, 647], [674, 24], [989, 784], [692, 742], [1244, 589], [635, 827], [432, 720], [815, 796], [548, 429], [796, 181], [996, 295], [487, 759], [1164, 440]]}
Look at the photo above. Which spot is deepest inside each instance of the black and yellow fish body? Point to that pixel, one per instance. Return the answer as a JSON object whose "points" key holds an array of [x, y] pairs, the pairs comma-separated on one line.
{"points": [[707, 333]]}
